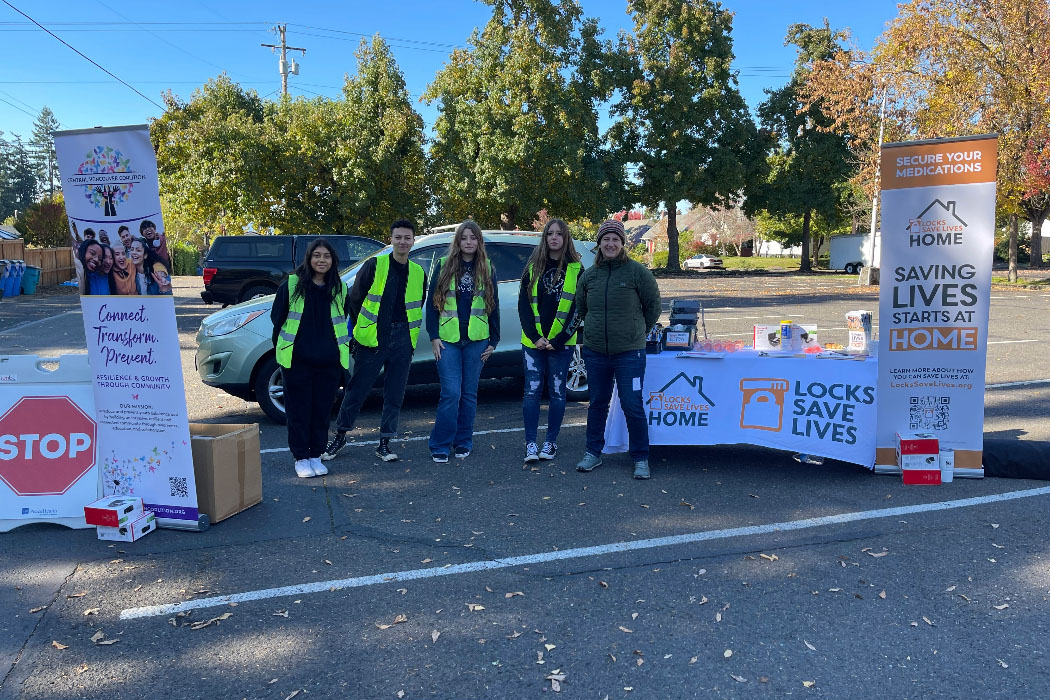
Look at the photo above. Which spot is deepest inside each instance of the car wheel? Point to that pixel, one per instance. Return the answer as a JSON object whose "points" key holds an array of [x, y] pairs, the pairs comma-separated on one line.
{"points": [[576, 388], [269, 390], [850, 269], [257, 291]]}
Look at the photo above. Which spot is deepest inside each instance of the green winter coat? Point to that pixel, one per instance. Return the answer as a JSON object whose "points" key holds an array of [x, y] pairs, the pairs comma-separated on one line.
{"points": [[618, 302]]}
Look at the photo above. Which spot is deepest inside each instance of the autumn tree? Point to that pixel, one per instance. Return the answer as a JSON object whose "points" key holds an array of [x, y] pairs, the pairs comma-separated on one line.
{"points": [[44, 223], [517, 129], [680, 116], [809, 163], [958, 68]]}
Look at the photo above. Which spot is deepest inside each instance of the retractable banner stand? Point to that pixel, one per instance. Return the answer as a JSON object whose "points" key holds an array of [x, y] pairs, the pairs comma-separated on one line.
{"points": [[109, 176], [938, 224]]}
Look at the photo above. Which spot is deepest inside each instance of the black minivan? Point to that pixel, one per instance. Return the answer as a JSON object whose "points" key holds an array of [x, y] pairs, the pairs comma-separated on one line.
{"points": [[239, 268]]}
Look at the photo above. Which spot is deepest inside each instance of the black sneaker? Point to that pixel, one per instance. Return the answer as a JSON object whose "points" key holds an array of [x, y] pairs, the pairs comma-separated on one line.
{"points": [[334, 446], [461, 452], [549, 451], [532, 453], [384, 452], [439, 458]]}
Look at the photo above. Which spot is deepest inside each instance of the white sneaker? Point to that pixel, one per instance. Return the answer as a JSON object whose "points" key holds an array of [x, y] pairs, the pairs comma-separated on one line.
{"points": [[304, 468], [319, 468]]}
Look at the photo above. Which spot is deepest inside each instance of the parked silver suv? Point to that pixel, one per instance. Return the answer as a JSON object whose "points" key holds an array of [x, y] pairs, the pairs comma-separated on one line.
{"points": [[235, 353]]}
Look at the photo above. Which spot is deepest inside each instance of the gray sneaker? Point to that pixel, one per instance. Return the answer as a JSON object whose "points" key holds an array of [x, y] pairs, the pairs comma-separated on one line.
{"points": [[589, 463], [641, 469]]}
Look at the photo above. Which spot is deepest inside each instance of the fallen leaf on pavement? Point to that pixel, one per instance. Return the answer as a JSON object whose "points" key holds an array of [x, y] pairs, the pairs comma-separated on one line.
{"points": [[93, 611], [809, 684], [398, 619], [738, 679], [291, 695], [434, 635], [59, 645], [281, 613], [809, 646], [624, 629], [1001, 662], [77, 595], [639, 662], [511, 595], [727, 653], [474, 607], [107, 642], [426, 561], [204, 623], [305, 520], [97, 636], [603, 584], [878, 554], [882, 594], [1004, 606], [550, 647], [927, 621], [718, 617], [693, 660], [42, 607], [556, 679], [400, 693], [688, 505], [634, 616], [769, 557], [515, 635], [328, 561]]}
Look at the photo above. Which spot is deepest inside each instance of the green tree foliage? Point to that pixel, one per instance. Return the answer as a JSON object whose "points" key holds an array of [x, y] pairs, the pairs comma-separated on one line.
{"points": [[809, 166], [212, 158], [517, 129], [18, 184], [681, 117], [44, 224], [43, 151]]}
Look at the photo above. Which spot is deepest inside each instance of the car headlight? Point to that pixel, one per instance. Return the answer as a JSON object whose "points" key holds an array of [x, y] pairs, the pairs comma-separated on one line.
{"points": [[231, 323]]}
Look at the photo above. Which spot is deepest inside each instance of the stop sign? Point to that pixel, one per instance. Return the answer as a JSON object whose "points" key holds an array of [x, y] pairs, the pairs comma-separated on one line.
{"points": [[46, 444]]}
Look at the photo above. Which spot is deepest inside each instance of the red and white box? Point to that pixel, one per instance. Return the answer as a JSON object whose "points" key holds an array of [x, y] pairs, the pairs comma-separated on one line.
{"points": [[129, 532], [918, 456], [113, 511]]}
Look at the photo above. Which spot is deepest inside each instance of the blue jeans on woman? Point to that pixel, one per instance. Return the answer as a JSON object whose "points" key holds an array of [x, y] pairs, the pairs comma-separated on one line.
{"points": [[460, 370], [628, 370], [552, 365]]}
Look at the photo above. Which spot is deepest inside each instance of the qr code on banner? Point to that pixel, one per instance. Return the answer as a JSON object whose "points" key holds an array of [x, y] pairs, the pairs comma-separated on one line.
{"points": [[929, 412], [179, 487]]}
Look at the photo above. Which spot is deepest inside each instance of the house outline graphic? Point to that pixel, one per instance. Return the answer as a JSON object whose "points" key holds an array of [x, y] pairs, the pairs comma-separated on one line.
{"points": [[694, 382], [948, 207]]}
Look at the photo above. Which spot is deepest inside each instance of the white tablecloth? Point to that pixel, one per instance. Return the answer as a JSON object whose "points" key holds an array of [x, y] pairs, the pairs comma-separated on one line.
{"points": [[804, 404]]}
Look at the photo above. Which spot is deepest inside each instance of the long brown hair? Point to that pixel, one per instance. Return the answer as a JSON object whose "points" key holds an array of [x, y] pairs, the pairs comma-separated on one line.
{"points": [[538, 261], [452, 268]]}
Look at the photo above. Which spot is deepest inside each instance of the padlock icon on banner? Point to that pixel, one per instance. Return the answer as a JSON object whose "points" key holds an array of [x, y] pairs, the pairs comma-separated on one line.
{"points": [[762, 403]]}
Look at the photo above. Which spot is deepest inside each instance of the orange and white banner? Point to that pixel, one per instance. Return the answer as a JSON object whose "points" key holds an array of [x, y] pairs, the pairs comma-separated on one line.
{"points": [[938, 225]]}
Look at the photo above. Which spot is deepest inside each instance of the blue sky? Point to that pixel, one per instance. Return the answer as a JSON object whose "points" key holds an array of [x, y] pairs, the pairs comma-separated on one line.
{"points": [[156, 46]]}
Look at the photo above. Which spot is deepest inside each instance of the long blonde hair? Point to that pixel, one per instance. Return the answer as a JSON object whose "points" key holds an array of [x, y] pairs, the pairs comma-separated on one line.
{"points": [[452, 268], [538, 261]]}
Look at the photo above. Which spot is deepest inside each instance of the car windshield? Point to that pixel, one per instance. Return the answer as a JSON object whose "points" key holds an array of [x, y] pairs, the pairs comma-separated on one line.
{"points": [[359, 263]]}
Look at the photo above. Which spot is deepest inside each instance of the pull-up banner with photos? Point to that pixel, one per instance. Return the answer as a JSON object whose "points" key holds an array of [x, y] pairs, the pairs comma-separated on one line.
{"points": [[109, 177], [938, 225]]}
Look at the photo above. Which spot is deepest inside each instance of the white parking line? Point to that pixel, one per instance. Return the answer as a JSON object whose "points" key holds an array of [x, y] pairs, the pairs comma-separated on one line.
{"points": [[1005, 385], [365, 443], [27, 324], [1007, 342], [576, 553]]}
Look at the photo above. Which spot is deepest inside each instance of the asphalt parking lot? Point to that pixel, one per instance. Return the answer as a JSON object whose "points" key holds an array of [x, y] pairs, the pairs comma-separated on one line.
{"points": [[734, 572]]}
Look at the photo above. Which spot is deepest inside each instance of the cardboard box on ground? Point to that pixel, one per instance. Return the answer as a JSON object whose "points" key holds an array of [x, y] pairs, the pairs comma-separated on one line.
{"points": [[227, 467]]}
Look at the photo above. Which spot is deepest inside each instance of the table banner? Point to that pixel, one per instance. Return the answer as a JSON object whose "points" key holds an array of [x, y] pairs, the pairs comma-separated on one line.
{"points": [[819, 406], [109, 177], [938, 225]]}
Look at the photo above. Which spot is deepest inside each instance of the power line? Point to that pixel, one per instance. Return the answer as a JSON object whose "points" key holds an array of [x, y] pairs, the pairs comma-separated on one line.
{"points": [[82, 55], [369, 36]]}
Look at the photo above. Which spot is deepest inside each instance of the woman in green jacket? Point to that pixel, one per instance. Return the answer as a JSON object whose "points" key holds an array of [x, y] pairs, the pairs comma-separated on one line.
{"points": [[618, 301]]}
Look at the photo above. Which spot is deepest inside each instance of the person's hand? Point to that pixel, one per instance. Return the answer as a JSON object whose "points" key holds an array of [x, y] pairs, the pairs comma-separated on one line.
{"points": [[488, 352], [543, 344], [438, 347], [163, 282]]}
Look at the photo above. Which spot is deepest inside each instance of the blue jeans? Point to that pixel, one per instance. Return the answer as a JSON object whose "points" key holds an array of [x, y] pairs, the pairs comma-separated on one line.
{"points": [[628, 369], [460, 370], [552, 365]]}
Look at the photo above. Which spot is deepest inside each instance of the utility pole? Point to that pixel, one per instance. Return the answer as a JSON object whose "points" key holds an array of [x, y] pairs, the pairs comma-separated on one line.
{"points": [[283, 67]]}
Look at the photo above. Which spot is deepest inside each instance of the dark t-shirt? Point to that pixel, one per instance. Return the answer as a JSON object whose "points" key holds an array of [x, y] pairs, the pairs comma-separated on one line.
{"points": [[548, 294], [465, 290], [392, 306], [315, 340]]}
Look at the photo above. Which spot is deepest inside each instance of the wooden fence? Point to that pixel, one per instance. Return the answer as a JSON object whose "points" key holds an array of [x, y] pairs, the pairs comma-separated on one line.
{"points": [[56, 264]]}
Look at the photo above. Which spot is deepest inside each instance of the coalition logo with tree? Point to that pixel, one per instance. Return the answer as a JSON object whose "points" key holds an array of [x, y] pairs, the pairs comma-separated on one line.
{"points": [[106, 193]]}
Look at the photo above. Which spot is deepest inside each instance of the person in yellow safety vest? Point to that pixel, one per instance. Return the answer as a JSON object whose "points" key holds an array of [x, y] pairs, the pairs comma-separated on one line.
{"points": [[386, 309], [463, 323], [312, 344], [547, 311]]}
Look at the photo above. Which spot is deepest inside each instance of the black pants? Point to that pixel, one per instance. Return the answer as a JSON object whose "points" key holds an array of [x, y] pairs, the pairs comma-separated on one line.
{"points": [[394, 357], [309, 392]]}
